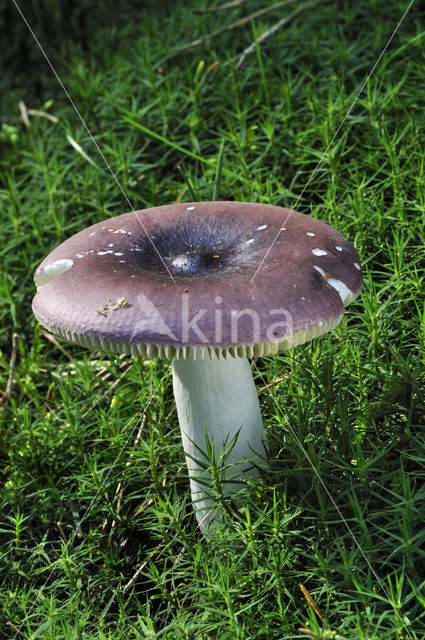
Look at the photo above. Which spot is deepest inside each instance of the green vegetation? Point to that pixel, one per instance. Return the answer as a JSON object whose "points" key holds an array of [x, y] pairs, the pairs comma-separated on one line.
{"points": [[354, 398]]}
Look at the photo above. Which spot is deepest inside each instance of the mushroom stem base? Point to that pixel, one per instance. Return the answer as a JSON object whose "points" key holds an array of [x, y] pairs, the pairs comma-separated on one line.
{"points": [[222, 431]]}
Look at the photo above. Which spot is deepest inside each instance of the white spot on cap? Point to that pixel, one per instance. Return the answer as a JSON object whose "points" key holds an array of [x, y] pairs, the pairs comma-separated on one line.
{"points": [[120, 231], [50, 271], [250, 241], [262, 227], [190, 208], [320, 270], [93, 233], [319, 252], [356, 264], [111, 245], [180, 262], [118, 253], [283, 228], [338, 248], [345, 293], [310, 233]]}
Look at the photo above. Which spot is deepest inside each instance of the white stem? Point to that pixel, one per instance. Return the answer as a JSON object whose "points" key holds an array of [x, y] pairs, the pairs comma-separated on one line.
{"points": [[217, 401]]}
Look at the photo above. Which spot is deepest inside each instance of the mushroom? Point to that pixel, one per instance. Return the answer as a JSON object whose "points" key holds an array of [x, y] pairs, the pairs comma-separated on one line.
{"points": [[207, 285]]}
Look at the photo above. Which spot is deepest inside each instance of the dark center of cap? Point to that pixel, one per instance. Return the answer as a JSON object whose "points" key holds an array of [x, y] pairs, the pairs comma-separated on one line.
{"points": [[206, 249]]}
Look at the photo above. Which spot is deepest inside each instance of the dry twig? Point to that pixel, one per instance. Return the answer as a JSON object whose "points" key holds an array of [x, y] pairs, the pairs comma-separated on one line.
{"points": [[233, 25], [312, 603], [24, 113], [33, 112], [273, 30], [274, 383], [42, 114], [136, 576], [323, 635], [16, 630], [62, 532], [57, 344], [221, 7], [144, 507]]}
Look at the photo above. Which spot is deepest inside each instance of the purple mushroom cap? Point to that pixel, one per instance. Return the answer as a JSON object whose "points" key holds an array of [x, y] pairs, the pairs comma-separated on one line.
{"points": [[159, 281]]}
